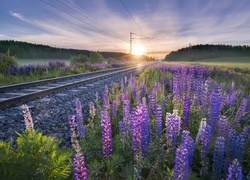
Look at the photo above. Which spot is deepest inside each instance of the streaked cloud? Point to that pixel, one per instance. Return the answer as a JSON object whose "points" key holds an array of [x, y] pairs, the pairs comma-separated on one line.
{"points": [[173, 24]]}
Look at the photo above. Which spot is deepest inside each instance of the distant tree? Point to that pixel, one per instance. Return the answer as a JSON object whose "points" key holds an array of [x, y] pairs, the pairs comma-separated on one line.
{"points": [[96, 57], [6, 61], [80, 59], [110, 60]]}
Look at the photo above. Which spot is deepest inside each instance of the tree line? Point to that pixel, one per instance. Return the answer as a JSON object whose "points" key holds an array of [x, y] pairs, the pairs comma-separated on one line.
{"points": [[207, 51], [25, 50]]}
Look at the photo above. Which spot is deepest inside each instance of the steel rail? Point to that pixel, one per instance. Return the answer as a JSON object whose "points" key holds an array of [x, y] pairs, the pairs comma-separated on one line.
{"points": [[15, 101], [45, 81]]}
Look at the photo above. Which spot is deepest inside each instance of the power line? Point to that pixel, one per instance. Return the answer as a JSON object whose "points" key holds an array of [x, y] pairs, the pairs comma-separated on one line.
{"points": [[76, 17], [131, 15], [95, 20]]}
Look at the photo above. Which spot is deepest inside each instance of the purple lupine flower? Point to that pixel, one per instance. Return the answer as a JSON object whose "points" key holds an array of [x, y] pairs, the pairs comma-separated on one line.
{"points": [[136, 139], [122, 131], [223, 126], [240, 112], [198, 88], [79, 119], [176, 89], [138, 118], [138, 97], [126, 116], [152, 105], [27, 118], [186, 113], [114, 109], [206, 97], [235, 171], [214, 113], [190, 82], [245, 133], [80, 170], [205, 144], [106, 134], [145, 130], [172, 129], [105, 97], [234, 147], [203, 124], [218, 158], [232, 99], [181, 168], [92, 110], [188, 142], [158, 123]]}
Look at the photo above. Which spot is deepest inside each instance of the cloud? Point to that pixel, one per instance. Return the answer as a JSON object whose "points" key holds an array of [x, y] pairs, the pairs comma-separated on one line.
{"points": [[172, 24]]}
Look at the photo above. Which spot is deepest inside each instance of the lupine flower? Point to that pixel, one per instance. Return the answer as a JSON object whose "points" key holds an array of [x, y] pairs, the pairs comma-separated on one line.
{"points": [[188, 142], [27, 118], [203, 124], [223, 126], [152, 105], [240, 112], [181, 168], [145, 130], [80, 170], [206, 97], [214, 113], [122, 130], [158, 123], [172, 128], [218, 158], [105, 97], [136, 139], [190, 82], [176, 90], [205, 139], [92, 110], [235, 171], [79, 119], [186, 113], [126, 114], [198, 87], [234, 147], [106, 134]]}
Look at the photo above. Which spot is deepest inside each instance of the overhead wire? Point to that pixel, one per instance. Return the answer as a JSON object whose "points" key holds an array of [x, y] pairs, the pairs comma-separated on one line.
{"points": [[79, 18], [131, 15], [85, 14]]}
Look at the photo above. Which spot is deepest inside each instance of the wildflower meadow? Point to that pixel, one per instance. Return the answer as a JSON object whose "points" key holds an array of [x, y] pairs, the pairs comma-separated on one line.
{"points": [[171, 122]]}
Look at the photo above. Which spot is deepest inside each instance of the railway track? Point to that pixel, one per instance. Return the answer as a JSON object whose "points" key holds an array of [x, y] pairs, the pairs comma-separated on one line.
{"points": [[15, 95]]}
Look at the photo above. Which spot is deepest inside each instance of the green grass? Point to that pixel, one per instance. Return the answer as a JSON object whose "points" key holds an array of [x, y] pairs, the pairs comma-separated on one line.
{"points": [[39, 61], [231, 62]]}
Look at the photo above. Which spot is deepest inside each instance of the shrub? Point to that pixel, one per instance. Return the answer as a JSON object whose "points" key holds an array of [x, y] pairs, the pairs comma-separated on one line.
{"points": [[7, 61], [36, 157], [79, 59]]}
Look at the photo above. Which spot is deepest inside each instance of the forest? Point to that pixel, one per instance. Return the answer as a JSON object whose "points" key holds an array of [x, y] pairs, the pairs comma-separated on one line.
{"points": [[208, 51], [24, 50]]}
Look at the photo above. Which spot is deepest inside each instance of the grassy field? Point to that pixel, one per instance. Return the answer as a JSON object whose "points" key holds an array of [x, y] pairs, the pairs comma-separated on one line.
{"points": [[239, 62], [39, 61]]}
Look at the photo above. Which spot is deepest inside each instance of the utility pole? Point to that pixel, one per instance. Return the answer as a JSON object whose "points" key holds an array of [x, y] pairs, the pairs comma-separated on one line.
{"points": [[130, 50], [131, 40]]}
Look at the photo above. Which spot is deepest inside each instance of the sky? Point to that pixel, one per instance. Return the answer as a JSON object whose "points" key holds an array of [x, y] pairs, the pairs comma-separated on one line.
{"points": [[159, 26]]}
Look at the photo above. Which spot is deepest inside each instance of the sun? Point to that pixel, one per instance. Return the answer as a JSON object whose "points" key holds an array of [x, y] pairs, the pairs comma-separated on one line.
{"points": [[138, 49]]}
